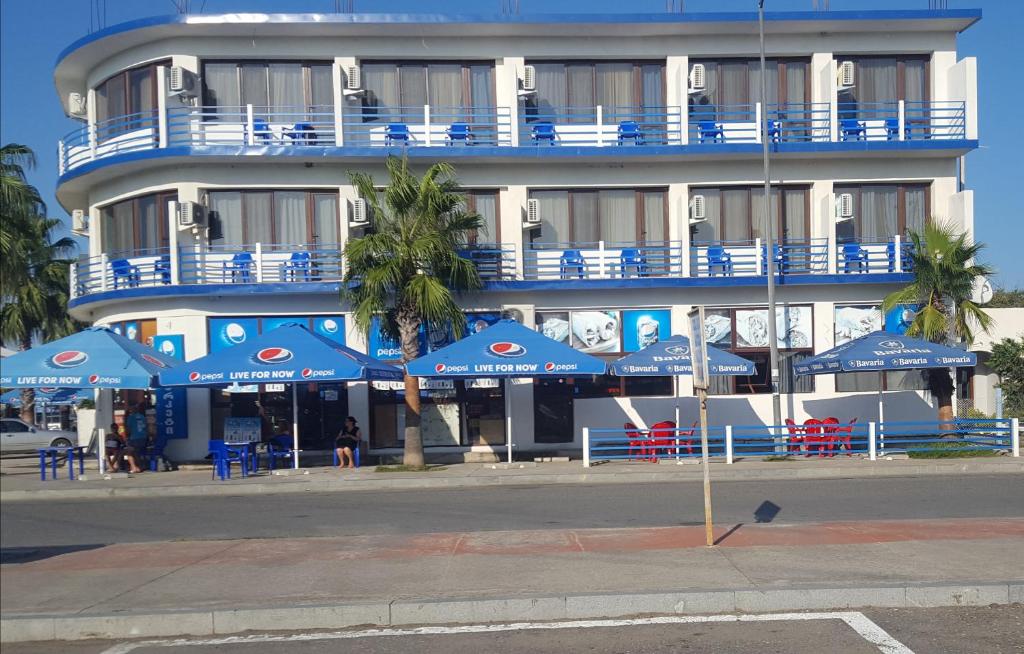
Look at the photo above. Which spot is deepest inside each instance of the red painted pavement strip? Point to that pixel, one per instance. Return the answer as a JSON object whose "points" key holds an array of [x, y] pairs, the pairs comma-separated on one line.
{"points": [[523, 543]]}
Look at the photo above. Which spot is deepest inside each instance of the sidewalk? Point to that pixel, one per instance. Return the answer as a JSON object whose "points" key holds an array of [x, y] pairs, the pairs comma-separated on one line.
{"points": [[20, 478], [219, 587]]}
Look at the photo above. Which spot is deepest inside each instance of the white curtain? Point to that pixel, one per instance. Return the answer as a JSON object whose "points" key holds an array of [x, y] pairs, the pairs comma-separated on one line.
{"points": [[290, 217], [487, 208], [754, 84], [286, 88], [585, 228], [110, 99], [321, 89], [615, 87], [732, 83], [914, 88], [140, 90], [551, 88], [735, 215], [325, 217], [412, 82], [554, 212], [445, 86], [227, 205], [758, 226], [254, 85], [149, 226], [794, 227], [118, 229], [257, 208], [381, 81], [654, 216], [221, 82], [618, 216], [878, 217]]}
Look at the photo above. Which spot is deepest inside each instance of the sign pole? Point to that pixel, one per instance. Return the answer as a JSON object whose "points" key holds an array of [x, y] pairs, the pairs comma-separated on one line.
{"points": [[699, 359], [295, 425]]}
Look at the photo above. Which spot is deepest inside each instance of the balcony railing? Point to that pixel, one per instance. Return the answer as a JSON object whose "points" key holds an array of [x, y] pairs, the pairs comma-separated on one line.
{"points": [[427, 126], [251, 125], [901, 121], [493, 261], [861, 256], [750, 258], [787, 123], [602, 260], [600, 126]]}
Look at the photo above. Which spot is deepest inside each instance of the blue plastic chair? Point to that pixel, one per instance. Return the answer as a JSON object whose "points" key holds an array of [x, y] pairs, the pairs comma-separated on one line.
{"points": [[396, 133], [223, 457], [629, 130], [124, 271], [633, 258], [240, 267], [297, 266], [261, 130], [162, 269], [854, 255], [781, 259], [155, 455], [543, 131], [355, 455], [892, 129], [279, 448], [775, 131], [459, 133], [852, 129], [571, 262], [302, 134], [719, 259], [708, 131]]}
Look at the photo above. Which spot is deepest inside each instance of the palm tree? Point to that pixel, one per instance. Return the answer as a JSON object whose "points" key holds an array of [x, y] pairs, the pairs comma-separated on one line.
{"points": [[402, 274], [18, 201], [945, 271]]}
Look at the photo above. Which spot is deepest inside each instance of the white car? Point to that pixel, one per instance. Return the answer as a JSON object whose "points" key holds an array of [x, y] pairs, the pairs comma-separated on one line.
{"points": [[19, 436]]}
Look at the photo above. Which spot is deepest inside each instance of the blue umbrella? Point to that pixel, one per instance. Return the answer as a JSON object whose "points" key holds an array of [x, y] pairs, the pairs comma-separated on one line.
{"points": [[289, 354], [93, 358], [506, 349], [53, 396], [672, 357], [881, 351]]}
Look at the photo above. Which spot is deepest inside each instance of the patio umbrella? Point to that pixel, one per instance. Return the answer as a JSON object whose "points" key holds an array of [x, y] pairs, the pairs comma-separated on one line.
{"points": [[881, 351], [506, 350], [52, 396], [672, 357], [290, 354]]}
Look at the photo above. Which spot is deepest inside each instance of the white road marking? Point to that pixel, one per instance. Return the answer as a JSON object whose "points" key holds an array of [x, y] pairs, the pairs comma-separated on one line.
{"points": [[857, 621]]}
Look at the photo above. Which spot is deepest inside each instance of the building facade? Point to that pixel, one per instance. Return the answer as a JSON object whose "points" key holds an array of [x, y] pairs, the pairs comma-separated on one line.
{"points": [[615, 160]]}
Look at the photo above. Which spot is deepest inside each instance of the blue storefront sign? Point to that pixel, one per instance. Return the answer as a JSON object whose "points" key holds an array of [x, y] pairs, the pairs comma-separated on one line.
{"points": [[273, 322], [171, 402], [226, 332], [898, 318], [644, 327], [332, 327]]}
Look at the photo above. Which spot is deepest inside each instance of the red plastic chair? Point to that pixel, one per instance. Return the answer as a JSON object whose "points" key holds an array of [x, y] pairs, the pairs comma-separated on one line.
{"points": [[845, 434], [812, 435], [685, 438], [637, 440], [796, 436], [662, 439], [830, 426]]}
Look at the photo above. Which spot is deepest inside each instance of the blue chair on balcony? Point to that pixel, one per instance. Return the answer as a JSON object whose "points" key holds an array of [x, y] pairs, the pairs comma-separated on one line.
{"points": [[459, 133], [851, 129], [297, 266], [543, 131], [571, 263], [854, 256], [261, 131], [629, 131], [892, 129], [781, 259], [124, 273], [240, 267], [223, 457], [302, 134], [633, 258], [396, 133], [708, 131], [162, 269], [719, 260], [775, 131]]}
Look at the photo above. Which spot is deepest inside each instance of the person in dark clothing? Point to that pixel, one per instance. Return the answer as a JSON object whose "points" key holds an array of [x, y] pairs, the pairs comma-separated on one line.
{"points": [[347, 443]]}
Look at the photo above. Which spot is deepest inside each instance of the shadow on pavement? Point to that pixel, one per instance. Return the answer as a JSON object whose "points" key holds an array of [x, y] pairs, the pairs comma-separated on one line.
{"points": [[30, 554]]}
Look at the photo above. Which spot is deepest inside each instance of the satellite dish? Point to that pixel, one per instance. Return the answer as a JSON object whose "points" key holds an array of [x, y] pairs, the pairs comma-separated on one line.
{"points": [[981, 292]]}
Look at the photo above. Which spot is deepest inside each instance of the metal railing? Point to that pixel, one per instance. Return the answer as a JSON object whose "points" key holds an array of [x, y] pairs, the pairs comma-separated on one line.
{"points": [[493, 261], [901, 120], [650, 445], [960, 435], [602, 260], [600, 126], [787, 123], [251, 125], [750, 257], [428, 126], [128, 133], [872, 256]]}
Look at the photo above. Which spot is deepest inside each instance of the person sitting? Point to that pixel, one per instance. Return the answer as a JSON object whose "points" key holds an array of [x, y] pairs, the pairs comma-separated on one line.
{"points": [[347, 443], [114, 446], [138, 438]]}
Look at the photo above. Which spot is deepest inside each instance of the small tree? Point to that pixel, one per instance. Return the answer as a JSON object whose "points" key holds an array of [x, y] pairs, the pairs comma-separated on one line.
{"points": [[1007, 361], [945, 270], [402, 273]]}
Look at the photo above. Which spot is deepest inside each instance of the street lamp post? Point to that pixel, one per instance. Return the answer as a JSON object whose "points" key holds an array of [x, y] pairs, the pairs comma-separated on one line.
{"points": [[773, 344]]}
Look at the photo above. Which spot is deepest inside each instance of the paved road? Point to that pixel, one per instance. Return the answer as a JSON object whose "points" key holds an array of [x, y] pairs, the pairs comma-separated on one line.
{"points": [[96, 522], [992, 630]]}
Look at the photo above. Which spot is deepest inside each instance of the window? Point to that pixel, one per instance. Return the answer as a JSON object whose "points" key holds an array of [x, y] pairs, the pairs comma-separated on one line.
{"points": [[883, 80], [14, 426], [128, 93], [853, 322], [737, 82], [396, 89], [736, 214], [612, 215], [307, 86], [576, 87], [273, 217], [133, 226], [744, 332], [485, 204], [881, 211]]}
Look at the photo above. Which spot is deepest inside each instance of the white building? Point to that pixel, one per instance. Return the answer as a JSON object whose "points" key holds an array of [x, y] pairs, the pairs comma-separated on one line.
{"points": [[616, 160]]}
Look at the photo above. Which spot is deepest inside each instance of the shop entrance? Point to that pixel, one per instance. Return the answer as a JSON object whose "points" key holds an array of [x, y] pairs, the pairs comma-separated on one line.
{"points": [[552, 411], [322, 411], [454, 413]]}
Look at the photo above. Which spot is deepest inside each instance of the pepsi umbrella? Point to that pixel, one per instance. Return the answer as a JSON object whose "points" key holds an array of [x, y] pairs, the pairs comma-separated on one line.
{"points": [[506, 349], [290, 354], [672, 357], [881, 351], [54, 396]]}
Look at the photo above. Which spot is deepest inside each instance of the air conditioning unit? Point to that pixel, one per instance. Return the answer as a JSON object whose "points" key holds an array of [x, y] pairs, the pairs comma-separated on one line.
{"points": [[182, 82], [698, 209], [360, 216], [353, 81], [79, 222], [845, 75], [844, 206], [191, 214], [532, 212], [77, 105], [529, 81], [697, 72]]}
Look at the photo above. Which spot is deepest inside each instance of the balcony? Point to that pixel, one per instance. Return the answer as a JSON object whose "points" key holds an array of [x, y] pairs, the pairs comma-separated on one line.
{"points": [[601, 126], [811, 257], [427, 126], [602, 260], [901, 121], [787, 123]]}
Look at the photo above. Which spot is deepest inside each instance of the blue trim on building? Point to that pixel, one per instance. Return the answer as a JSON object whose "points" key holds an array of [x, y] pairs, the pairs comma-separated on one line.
{"points": [[508, 152], [973, 15], [292, 288]]}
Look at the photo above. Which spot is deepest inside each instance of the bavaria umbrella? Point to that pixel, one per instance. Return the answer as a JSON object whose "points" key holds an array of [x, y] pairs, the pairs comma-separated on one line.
{"points": [[880, 351], [290, 354], [506, 349], [672, 357]]}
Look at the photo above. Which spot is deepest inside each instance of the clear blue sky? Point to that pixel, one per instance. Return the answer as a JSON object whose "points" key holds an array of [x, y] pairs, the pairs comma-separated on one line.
{"points": [[35, 31]]}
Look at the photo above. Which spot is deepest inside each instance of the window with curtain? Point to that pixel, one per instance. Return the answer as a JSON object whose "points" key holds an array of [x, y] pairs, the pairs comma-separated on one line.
{"points": [[127, 93], [135, 226], [325, 218], [274, 217], [294, 86], [881, 211], [572, 89], [736, 83], [616, 216], [401, 88], [881, 82], [736, 213], [485, 204]]}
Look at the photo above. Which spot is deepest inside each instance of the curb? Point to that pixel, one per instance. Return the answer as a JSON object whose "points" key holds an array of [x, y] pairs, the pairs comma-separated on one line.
{"points": [[408, 612], [681, 473]]}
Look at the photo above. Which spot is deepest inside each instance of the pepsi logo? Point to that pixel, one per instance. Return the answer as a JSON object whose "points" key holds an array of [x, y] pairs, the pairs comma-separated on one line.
{"points": [[193, 376], [549, 366], [273, 355], [330, 326], [69, 359], [156, 362], [167, 347], [507, 349], [439, 368], [307, 373], [892, 345], [234, 333], [93, 379], [678, 350]]}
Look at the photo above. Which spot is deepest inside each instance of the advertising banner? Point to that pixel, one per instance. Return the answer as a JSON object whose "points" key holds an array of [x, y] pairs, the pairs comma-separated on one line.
{"points": [[853, 322], [171, 403], [643, 327], [226, 332], [332, 327]]}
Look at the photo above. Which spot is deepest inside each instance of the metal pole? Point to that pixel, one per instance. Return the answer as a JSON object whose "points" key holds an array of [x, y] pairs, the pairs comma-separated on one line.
{"points": [[709, 530], [295, 425], [769, 234], [508, 416]]}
